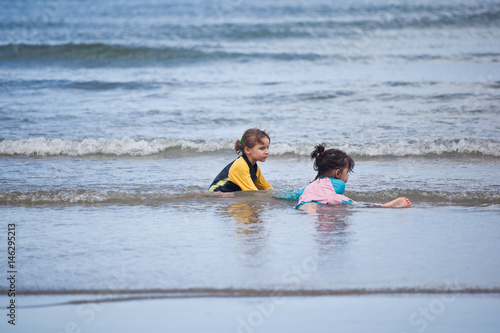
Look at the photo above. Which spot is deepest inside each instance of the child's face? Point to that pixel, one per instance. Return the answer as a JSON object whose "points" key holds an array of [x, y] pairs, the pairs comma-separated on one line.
{"points": [[342, 174], [259, 152]]}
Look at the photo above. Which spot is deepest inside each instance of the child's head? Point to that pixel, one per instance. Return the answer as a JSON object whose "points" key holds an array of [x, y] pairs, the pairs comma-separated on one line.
{"points": [[333, 163], [250, 139]]}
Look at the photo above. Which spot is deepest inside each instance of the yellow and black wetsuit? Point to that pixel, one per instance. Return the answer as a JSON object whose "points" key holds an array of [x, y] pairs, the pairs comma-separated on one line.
{"points": [[240, 175]]}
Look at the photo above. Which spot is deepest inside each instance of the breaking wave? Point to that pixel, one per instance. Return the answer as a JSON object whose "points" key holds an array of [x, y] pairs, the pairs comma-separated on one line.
{"points": [[146, 147]]}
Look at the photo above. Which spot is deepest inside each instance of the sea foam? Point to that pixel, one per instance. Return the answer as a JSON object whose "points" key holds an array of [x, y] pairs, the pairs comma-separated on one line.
{"points": [[145, 147]]}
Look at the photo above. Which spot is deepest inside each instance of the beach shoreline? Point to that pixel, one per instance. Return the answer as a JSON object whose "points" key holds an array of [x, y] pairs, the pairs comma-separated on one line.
{"points": [[376, 313]]}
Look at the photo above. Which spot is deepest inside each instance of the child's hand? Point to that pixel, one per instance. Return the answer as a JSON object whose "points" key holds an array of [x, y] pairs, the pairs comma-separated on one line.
{"points": [[224, 194]]}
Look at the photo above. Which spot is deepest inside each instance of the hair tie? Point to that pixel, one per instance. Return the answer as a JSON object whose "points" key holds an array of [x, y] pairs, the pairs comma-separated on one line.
{"points": [[239, 140], [322, 152]]}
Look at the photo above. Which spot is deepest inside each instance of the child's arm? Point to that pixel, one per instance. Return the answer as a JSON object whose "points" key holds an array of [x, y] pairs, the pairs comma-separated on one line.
{"points": [[240, 175], [261, 183]]}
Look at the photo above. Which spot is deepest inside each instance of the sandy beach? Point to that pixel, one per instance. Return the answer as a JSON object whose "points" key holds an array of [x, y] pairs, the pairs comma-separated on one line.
{"points": [[378, 313]]}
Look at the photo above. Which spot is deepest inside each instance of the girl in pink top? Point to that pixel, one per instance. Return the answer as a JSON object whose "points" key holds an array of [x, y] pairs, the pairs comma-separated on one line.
{"points": [[333, 167]]}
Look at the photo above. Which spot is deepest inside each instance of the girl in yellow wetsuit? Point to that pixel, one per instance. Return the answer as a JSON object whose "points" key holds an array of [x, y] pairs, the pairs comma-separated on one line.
{"points": [[243, 174]]}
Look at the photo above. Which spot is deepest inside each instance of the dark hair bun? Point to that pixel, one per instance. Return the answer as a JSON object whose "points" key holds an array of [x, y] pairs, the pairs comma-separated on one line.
{"points": [[318, 149], [326, 161]]}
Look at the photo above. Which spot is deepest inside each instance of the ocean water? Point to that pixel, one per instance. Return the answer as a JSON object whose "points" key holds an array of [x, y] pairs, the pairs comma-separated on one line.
{"points": [[115, 116]]}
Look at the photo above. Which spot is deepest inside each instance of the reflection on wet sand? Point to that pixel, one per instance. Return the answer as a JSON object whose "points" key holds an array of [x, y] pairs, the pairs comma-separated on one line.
{"points": [[329, 232], [250, 228], [332, 229], [247, 216]]}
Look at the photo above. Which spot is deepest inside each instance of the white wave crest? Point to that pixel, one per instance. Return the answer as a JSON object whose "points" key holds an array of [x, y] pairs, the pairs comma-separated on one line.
{"points": [[142, 147], [125, 146], [401, 148]]}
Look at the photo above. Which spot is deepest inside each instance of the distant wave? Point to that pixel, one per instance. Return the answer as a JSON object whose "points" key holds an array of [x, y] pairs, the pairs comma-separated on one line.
{"points": [[99, 54], [104, 55], [321, 24], [487, 88], [200, 194], [93, 85], [145, 147], [316, 21], [95, 51]]}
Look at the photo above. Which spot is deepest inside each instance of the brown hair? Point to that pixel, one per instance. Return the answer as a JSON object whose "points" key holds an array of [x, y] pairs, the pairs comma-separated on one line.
{"points": [[249, 139], [326, 161]]}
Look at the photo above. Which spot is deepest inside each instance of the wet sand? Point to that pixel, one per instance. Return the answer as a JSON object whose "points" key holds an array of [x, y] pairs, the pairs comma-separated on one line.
{"points": [[376, 313]]}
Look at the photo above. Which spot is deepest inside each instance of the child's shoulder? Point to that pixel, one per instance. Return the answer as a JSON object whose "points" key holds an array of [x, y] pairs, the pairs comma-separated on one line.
{"points": [[240, 162], [338, 185], [328, 182], [241, 165]]}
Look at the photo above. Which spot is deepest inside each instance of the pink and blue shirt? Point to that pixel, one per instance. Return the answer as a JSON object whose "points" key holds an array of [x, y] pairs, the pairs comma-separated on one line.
{"points": [[324, 190]]}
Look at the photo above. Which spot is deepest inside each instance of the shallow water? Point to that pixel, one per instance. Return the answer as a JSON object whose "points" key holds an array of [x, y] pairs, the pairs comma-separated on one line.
{"points": [[242, 244], [175, 176]]}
